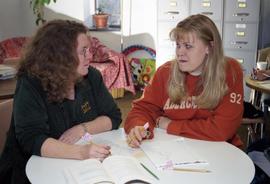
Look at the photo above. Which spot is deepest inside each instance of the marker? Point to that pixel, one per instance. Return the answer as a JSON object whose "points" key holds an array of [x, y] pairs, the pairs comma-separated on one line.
{"points": [[146, 126], [148, 170]]}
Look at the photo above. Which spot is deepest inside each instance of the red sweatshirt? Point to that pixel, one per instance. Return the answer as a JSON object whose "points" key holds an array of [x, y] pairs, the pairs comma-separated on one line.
{"points": [[219, 124]]}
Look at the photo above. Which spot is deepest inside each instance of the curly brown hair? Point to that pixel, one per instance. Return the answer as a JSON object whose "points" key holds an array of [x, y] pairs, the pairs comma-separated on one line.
{"points": [[51, 57]]}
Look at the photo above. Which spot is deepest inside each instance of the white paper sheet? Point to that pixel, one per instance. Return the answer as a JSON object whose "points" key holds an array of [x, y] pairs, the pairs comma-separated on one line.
{"points": [[172, 154]]}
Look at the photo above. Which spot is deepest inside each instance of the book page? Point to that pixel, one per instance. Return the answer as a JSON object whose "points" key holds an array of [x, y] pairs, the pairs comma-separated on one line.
{"points": [[86, 172], [172, 154], [124, 169]]}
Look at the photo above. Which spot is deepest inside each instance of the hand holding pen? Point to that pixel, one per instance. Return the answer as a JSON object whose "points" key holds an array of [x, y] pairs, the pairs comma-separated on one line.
{"points": [[137, 134]]}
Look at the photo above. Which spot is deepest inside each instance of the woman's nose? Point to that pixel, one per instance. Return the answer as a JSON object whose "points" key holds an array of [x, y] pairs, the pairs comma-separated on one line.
{"points": [[89, 54], [180, 51]]}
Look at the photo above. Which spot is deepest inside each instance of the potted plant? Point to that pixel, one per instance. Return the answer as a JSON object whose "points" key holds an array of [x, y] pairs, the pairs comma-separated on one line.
{"points": [[37, 6], [100, 18]]}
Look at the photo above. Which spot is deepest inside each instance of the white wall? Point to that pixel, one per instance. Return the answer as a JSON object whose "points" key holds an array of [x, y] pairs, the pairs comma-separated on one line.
{"points": [[15, 18], [69, 9], [139, 24]]}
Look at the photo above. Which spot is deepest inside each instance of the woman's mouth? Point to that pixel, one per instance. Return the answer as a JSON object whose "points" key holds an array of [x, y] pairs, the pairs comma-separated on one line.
{"points": [[182, 61]]}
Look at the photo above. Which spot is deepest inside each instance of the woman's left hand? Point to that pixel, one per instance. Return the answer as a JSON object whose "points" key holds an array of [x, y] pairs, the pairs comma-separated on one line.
{"points": [[72, 135], [163, 122]]}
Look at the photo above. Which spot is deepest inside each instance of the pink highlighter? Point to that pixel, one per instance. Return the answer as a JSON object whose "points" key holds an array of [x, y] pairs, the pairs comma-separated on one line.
{"points": [[146, 127]]}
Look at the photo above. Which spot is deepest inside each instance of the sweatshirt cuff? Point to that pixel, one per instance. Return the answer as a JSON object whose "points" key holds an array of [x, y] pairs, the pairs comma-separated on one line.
{"points": [[174, 128], [38, 143]]}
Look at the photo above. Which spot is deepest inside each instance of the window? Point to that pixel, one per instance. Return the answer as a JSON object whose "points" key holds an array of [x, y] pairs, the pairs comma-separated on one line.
{"points": [[111, 7]]}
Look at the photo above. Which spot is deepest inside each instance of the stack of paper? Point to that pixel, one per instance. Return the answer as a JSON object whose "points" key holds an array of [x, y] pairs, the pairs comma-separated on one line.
{"points": [[7, 72]]}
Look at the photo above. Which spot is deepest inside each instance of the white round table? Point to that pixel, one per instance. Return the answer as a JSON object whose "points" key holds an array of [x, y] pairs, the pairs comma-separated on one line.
{"points": [[227, 163]]}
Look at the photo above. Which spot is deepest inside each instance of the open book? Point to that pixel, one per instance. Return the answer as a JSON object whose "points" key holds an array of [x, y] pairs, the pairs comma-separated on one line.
{"points": [[114, 169]]}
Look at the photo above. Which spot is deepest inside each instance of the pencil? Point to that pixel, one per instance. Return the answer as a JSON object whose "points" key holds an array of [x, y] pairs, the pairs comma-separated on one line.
{"points": [[148, 170], [192, 170]]}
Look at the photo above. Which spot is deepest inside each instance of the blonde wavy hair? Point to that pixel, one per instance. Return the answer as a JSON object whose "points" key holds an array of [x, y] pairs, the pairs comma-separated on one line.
{"points": [[212, 85], [51, 57]]}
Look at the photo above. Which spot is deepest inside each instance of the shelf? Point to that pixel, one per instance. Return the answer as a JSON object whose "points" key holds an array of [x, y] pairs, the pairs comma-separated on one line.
{"points": [[110, 28]]}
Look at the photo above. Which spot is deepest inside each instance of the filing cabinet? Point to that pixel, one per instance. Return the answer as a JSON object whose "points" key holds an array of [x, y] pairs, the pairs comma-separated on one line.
{"points": [[170, 12], [242, 10], [240, 35], [211, 8], [246, 57], [164, 29]]}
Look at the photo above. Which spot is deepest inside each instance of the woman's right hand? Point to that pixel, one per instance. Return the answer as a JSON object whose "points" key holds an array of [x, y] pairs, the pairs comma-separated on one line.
{"points": [[135, 136], [97, 151], [261, 75]]}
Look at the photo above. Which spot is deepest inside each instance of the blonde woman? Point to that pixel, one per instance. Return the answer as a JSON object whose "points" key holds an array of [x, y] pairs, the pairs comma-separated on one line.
{"points": [[198, 95]]}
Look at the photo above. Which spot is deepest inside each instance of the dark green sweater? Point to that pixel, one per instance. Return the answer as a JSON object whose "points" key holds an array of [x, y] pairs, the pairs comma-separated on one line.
{"points": [[34, 119]]}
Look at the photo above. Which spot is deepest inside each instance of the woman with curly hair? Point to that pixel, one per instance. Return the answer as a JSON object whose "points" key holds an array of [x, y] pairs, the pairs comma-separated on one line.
{"points": [[58, 99], [198, 95]]}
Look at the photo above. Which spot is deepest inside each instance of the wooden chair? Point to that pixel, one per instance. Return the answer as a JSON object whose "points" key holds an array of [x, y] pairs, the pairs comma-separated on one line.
{"points": [[5, 114], [252, 128], [253, 119]]}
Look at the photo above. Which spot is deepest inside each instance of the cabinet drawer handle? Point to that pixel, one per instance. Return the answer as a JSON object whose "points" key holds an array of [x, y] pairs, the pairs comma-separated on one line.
{"points": [[207, 13], [172, 12], [241, 14], [239, 43]]}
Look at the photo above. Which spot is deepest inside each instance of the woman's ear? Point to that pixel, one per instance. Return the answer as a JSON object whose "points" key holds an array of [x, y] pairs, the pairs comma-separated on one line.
{"points": [[210, 46], [207, 50]]}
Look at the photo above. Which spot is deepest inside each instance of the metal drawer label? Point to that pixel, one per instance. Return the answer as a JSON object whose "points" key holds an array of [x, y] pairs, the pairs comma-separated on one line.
{"points": [[240, 26]]}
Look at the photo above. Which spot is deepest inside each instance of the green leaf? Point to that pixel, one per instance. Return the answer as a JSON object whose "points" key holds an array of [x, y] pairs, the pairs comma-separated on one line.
{"points": [[37, 6], [46, 1], [38, 20]]}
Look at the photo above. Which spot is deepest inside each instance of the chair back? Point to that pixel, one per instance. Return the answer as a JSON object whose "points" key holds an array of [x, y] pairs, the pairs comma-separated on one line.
{"points": [[5, 114]]}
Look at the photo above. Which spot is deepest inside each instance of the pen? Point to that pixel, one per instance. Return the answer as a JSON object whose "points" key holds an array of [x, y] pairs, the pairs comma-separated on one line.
{"points": [[266, 75], [148, 170], [192, 170]]}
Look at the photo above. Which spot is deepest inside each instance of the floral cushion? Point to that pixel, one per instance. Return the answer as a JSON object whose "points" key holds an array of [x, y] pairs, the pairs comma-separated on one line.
{"points": [[112, 65], [100, 51], [2, 54], [11, 48]]}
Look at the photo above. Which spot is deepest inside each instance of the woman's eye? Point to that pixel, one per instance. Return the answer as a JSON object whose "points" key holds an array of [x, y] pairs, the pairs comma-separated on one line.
{"points": [[84, 51], [188, 46]]}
